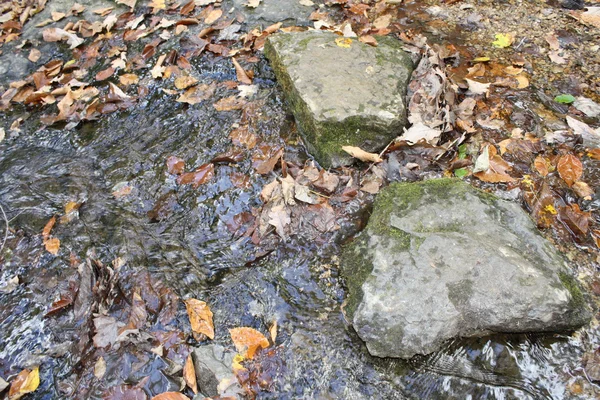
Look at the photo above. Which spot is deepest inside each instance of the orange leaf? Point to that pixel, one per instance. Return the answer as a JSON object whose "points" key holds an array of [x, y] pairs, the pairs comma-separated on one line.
{"points": [[52, 245], [230, 103], [48, 228], [26, 382], [175, 165], [189, 374], [248, 340], [170, 396], [201, 318], [240, 72], [104, 74], [569, 168]]}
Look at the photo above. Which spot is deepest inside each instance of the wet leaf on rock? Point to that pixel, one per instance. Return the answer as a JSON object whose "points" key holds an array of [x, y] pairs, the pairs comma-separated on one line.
{"points": [[583, 190], [542, 166], [189, 374], [201, 318], [27, 381], [248, 340], [197, 94], [52, 245], [230, 103], [200, 176], [175, 165], [503, 40], [569, 168], [279, 217], [576, 220], [100, 368]]}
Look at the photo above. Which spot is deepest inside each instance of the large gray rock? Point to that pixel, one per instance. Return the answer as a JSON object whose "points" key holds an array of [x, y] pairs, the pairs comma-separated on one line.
{"points": [[268, 12], [342, 96], [440, 259]]}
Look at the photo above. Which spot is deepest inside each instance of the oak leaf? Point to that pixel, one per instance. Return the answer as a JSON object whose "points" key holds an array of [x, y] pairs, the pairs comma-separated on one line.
{"points": [[201, 318]]}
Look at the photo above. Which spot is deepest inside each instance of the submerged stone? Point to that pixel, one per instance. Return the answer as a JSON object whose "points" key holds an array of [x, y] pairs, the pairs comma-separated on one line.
{"points": [[440, 259], [342, 92]]}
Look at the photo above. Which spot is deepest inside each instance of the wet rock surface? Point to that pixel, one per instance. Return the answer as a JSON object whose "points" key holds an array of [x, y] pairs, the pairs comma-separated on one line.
{"points": [[342, 92], [440, 260], [271, 12]]}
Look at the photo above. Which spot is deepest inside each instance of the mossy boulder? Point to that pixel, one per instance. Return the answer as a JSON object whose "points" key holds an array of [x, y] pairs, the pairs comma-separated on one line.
{"points": [[440, 259], [342, 92]]}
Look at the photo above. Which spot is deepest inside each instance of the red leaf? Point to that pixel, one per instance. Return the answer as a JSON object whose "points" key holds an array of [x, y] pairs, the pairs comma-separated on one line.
{"points": [[202, 175]]}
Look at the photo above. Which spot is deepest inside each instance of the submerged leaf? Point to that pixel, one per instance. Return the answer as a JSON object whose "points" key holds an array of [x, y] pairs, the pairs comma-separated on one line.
{"points": [[248, 340], [26, 382], [569, 168], [201, 318]]}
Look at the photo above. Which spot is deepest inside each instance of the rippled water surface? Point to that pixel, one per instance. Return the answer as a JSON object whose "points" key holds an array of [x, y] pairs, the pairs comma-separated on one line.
{"points": [[184, 238]]}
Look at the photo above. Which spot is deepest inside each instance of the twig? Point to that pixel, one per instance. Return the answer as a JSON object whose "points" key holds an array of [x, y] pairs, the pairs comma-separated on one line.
{"points": [[382, 152], [6, 230]]}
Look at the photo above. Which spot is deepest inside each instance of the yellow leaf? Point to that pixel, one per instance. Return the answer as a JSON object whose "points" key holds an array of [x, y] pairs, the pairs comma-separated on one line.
{"points": [[523, 82], [26, 382], [343, 42], [503, 40], [184, 82], [201, 318], [481, 59], [236, 364], [248, 340], [550, 209]]}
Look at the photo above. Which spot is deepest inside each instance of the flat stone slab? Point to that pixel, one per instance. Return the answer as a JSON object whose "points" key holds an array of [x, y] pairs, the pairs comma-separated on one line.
{"points": [[440, 259], [268, 12], [342, 92]]}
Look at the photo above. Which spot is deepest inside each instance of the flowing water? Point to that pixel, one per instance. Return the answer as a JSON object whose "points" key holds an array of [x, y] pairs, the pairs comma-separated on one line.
{"points": [[184, 238]]}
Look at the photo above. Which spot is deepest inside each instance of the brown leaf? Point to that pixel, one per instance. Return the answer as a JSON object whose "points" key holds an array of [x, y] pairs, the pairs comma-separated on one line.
{"points": [[34, 55], [26, 382], [105, 74], [240, 72], [362, 155], [542, 165], [175, 165], [125, 392], [201, 318], [184, 82], [196, 94], [265, 160], [569, 168], [128, 79], [498, 169], [189, 374], [576, 220], [48, 228], [242, 137], [170, 396], [129, 3], [279, 217], [213, 16], [247, 341], [52, 245], [583, 190], [187, 8], [200, 176], [230, 103]]}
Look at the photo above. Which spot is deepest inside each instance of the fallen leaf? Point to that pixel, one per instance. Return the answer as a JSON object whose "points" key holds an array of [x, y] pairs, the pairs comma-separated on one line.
{"points": [[121, 189], [583, 190], [362, 155], [57, 34], [420, 131], [569, 168], [34, 55], [503, 40], [565, 99], [100, 368], [279, 217], [27, 381], [343, 42], [200, 176], [273, 332], [247, 341], [498, 169], [582, 129], [197, 94], [170, 396], [542, 166], [591, 16], [129, 79], [48, 228], [229, 104], [184, 82], [189, 374], [201, 318], [52, 245], [241, 74], [105, 74], [478, 87], [382, 22], [175, 165], [482, 163], [304, 194], [576, 220], [213, 16]]}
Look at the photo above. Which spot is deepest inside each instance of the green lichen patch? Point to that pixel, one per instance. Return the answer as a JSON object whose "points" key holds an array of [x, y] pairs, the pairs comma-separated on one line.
{"points": [[571, 284], [356, 267]]}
